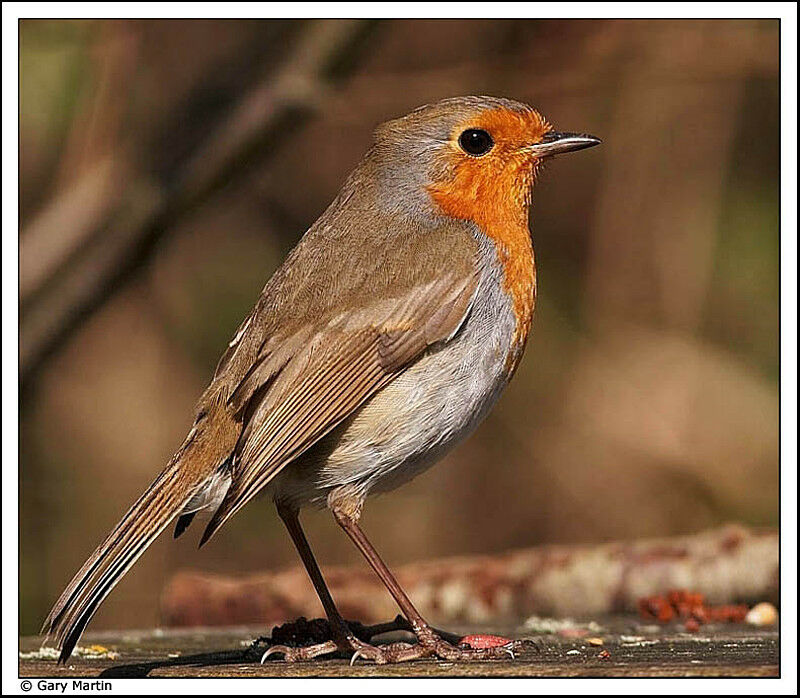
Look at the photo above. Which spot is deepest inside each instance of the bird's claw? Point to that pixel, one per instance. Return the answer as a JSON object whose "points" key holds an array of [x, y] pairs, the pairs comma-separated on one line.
{"points": [[363, 650], [471, 648], [300, 654], [277, 649]]}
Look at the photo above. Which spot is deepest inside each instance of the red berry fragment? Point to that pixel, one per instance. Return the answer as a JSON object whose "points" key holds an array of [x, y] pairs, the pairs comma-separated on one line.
{"points": [[573, 632], [690, 607], [484, 642], [692, 625]]}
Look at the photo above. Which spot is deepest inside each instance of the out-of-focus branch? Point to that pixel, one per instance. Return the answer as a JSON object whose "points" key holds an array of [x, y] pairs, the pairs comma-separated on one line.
{"points": [[729, 564], [74, 284], [64, 227], [89, 180]]}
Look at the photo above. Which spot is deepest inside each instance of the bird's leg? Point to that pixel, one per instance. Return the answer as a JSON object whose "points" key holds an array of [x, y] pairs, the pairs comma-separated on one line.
{"points": [[347, 511], [367, 632], [343, 638]]}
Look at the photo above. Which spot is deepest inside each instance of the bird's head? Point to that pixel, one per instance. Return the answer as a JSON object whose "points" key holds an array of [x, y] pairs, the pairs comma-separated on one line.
{"points": [[474, 158]]}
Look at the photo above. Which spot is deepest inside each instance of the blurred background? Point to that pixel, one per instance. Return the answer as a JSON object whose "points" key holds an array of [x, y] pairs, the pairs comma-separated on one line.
{"points": [[168, 166]]}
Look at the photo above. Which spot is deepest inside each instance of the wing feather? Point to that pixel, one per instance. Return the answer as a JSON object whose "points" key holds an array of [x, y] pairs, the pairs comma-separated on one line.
{"points": [[337, 372]]}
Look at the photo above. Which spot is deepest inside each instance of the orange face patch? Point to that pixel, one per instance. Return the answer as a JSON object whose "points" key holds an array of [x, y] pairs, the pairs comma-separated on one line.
{"points": [[493, 191]]}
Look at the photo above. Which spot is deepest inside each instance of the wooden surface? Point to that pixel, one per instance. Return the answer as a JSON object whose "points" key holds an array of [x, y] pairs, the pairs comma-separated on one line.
{"points": [[634, 649]]}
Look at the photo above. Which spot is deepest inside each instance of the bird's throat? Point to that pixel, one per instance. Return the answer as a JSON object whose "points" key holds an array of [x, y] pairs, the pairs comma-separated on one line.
{"points": [[499, 203]]}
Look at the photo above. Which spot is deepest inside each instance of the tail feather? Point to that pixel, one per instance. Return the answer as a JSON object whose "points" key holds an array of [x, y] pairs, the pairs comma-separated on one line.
{"points": [[184, 521], [75, 622], [194, 475], [145, 520], [206, 498], [95, 559]]}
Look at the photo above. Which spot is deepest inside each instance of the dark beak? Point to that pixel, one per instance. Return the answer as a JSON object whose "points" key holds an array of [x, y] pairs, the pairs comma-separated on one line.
{"points": [[555, 143]]}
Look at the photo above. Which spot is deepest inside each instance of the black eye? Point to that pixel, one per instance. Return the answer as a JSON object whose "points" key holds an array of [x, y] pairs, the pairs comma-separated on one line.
{"points": [[475, 141]]}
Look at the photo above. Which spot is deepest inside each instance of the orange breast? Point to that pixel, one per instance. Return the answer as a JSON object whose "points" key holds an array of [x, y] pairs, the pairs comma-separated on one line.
{"points": [[495, 194]]}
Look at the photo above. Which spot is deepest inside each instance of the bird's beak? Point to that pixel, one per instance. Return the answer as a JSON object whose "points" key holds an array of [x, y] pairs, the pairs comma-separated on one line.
{"points": [[555, 143]]}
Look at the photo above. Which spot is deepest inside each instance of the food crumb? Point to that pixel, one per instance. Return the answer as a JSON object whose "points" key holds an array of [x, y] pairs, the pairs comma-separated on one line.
{"points": [[91, 652], [566, 627], [762, 614]]}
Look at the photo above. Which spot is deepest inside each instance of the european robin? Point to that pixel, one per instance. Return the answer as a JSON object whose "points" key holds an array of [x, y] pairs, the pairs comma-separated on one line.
{"points": [[385, 337]]}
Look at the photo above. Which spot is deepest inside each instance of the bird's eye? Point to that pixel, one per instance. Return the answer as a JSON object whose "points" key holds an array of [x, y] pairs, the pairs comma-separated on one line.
{"points": [[475, 141]]}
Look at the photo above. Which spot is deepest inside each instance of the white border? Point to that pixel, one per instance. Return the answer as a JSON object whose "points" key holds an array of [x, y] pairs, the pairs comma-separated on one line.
{"points": [[788, 329], [787, 12], [428, 10]]}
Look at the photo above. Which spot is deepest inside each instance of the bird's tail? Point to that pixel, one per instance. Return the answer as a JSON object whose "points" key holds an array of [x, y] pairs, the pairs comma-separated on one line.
{"points": [[166, 497]]}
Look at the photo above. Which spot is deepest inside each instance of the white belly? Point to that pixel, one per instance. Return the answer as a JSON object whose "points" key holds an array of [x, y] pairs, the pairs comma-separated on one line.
{"points": [[411, 423]]}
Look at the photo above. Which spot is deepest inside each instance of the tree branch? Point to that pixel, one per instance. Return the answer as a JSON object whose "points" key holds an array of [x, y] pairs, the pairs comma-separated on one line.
{"points": [[73, 286], [728, 564]]}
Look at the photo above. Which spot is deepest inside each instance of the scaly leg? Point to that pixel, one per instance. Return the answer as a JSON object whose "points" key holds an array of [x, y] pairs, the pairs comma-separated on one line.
{"points": [[343, 638], [346, 511]]}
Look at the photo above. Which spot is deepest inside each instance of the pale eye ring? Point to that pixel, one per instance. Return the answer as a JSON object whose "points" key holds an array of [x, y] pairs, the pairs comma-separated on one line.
{"points": [[475, 141]]}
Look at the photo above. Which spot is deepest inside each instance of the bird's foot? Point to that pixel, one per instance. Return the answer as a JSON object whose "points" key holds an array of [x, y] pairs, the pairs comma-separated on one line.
{"points": [[392, 653], [432, 644], [349, 646], [304, 640]]}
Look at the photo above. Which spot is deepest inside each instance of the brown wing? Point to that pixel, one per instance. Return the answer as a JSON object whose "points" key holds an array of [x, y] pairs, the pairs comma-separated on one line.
{"points": [[302, 398]]}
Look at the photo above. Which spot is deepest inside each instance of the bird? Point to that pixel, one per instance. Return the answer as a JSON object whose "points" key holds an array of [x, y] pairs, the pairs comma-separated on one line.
{"points": [[383, 339]]}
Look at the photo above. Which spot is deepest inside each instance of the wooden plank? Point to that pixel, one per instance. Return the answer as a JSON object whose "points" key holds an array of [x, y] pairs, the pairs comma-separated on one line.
{"points": [[634, 649]]}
